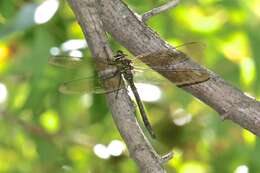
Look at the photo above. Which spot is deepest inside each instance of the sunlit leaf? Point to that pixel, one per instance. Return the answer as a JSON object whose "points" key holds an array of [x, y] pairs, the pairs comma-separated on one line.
{"points": [[247, 71], [75, 31], [4, 56], [255, 7], [50, 121], [236, 47], [8, 158], [208, 2], [4, 52], [21, 96], [199, 21], [248, 137], [195, 106], [237, 17], [76, 153], [193, 166], [26, 146]]}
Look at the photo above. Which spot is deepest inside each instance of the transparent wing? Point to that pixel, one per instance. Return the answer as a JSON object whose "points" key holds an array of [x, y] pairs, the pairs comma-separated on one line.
{"points": [[149, 76], [162, 60], [86, 85], [187, 76], [182, 76], [165, 61], [71, 62], [193, 49], [66, 61]]}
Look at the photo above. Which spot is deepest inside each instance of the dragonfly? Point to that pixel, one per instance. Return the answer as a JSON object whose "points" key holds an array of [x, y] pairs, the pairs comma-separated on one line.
{"points": [[161, 61]]}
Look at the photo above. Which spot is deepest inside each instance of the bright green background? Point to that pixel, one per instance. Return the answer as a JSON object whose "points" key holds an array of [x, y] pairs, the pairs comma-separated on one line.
{"points": [[42, 130]]}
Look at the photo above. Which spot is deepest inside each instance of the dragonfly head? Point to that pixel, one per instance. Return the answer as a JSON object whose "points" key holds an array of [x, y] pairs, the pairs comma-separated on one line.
{"points": [[120, 55]]}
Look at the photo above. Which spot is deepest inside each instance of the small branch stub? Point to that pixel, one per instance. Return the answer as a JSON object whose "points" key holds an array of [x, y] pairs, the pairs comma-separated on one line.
{"points": [[159, 10], [165, 158]]}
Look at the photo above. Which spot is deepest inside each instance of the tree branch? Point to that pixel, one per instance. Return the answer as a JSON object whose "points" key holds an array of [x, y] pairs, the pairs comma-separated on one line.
{"points": [[138, 38], [158, 10], [121, 107]]}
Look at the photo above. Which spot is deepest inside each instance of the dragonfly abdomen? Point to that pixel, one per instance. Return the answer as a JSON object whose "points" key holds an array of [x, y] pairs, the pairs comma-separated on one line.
{"points": [[142, 110]]}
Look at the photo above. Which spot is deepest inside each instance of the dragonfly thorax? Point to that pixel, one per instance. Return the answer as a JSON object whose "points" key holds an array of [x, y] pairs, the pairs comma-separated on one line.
{"points": [[123, 64]]}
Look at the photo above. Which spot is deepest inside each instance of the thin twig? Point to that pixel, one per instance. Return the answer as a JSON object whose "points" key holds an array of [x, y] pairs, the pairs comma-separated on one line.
{"points": [[159, 10], [72, 138], [30, 128]]}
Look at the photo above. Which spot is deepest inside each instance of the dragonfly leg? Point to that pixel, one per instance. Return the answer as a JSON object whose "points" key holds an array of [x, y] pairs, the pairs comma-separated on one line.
{"points": [[120, 82]]}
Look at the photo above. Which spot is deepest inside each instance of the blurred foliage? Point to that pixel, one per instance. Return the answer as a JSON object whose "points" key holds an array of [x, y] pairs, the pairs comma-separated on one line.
{"points": [[42, 130]]}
